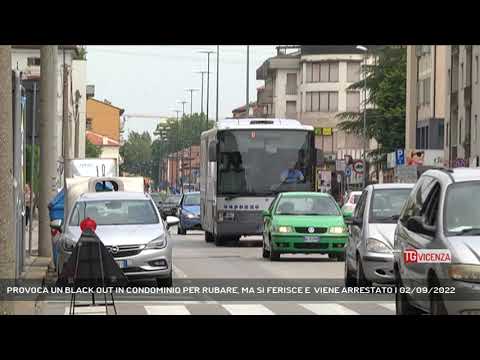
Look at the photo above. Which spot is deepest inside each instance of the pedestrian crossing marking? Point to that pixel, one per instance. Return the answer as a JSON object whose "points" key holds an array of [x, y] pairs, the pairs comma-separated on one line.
{"points": [[247, 309], [389, 306], [94, 310], [167, 310], [329, 309]]}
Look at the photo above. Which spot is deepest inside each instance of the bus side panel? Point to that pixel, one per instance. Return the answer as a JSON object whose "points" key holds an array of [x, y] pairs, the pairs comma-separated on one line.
{"points": [[207, 185]]}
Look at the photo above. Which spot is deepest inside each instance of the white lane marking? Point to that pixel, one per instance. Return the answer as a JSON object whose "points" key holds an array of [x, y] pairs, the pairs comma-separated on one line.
{"points": [[389, 306], [97, 310], [247, 309], [178, 272], [329, 309], [167, 310]]}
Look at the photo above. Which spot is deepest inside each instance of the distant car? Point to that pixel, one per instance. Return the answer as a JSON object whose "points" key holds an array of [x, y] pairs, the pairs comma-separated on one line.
{"points": [[130, 226], [369, 251], [304, 222], [189, 213], [157, 198], [170, 206], [442, 215], [349, 203]]}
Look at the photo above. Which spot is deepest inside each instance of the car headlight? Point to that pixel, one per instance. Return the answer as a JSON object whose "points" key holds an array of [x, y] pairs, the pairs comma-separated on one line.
{"points": [[284, 229], [374, 245], [337, 230], [158, 243], [68, 244], [468, 273]]}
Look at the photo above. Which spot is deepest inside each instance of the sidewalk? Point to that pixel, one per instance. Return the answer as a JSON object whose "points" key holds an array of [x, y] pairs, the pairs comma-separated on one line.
{"points": [[35, 268]]}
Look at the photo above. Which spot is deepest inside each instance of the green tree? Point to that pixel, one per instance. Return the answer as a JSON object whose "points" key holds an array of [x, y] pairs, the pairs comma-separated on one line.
{"points": [[386, 87], [137, 154], [92, 150]]}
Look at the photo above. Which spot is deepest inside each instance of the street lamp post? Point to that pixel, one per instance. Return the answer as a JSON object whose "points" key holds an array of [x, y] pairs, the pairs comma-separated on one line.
{"points": [[365, 173], [190, 149], [208, 52], [177, 143]]}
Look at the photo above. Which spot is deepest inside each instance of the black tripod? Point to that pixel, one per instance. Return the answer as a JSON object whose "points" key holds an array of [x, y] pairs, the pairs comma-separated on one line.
{"points": [[73, 304]]}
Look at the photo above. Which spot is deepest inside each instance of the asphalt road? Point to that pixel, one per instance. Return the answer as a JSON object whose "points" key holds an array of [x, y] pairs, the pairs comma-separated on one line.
{"points": [[193, 259]]}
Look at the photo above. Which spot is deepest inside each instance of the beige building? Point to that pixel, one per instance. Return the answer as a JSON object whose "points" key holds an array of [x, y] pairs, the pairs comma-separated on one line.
{"points": [[426, 96], [310, 84], [462, 143]]}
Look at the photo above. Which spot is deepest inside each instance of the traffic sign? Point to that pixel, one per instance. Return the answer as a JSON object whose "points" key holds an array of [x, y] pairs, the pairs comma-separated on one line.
{"points": [[348, 171], [400, 157], [358, 166]]}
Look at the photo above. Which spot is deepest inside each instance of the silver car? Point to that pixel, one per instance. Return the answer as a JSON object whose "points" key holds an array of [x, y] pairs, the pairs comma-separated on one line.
{"points": [[130, 226], [440, 226], [369, 250]]}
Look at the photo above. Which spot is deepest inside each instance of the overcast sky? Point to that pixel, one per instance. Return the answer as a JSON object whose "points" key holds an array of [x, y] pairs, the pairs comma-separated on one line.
{"points": [[150, 79]]}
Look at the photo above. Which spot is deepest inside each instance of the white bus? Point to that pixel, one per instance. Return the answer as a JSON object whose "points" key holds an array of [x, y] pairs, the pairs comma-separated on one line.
{"points": [[244, 163]]}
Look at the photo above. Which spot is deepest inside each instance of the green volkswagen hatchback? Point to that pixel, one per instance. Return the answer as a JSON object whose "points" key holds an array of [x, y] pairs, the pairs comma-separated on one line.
{"points": [[305, 223]]}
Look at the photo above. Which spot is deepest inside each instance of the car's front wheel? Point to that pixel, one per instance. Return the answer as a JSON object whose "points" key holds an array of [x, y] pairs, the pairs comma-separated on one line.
{"points": [[274, 255], [265, 252], [362, 281], [350, 280], [402, 304], [181, 231], [165, 282]]}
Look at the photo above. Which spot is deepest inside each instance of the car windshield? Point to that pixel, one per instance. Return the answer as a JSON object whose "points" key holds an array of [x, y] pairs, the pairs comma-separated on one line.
{"points": [[386, 205], [191, 200], [461, 209], [263, 162], [307, 205], [173, 199], [354, 199], [115, 212]]}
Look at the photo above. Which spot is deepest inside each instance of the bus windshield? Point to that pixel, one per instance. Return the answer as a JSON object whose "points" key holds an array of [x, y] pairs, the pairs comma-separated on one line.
{"points": [[264, 162]]}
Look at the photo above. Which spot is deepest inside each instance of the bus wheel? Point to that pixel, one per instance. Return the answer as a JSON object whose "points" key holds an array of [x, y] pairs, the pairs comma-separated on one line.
{"points": [[208, 237], [218, 240]]}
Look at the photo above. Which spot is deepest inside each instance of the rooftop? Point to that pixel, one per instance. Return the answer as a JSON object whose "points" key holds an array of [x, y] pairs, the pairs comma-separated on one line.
{"points": [[460, 174], [114, 195], [100, 140]]}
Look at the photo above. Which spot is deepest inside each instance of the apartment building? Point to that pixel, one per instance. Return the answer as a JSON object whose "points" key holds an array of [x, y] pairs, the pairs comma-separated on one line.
{"points": [[103, 118], [462, 143], [311, 85], [26, 59], [426, 96]]}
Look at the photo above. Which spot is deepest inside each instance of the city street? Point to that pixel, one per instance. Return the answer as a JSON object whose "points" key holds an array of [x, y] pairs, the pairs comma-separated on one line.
{"points": [[195, 259]]}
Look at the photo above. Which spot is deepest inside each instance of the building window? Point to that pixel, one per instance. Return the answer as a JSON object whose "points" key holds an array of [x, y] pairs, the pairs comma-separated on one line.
{"points": [[323, 101], [353, 71], [461, 79], [291, 109], [33, 61], [322, 72], [353, 101], [476, 69], [476, 127], [291, 84], [426, 88], [88, 125]]}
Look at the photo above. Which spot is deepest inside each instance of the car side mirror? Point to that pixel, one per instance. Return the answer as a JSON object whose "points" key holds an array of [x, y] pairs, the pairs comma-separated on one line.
{"points": [[416, 225], [266, 213], [357, 221], [56, 225], [172, 221]]}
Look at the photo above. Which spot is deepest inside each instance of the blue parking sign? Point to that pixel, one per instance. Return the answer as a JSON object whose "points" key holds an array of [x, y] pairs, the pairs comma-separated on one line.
{"points": [[400, 157]]}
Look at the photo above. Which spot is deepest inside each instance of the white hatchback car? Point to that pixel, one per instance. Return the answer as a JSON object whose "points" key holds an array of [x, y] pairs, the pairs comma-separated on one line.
{"points": [[130, 226]]}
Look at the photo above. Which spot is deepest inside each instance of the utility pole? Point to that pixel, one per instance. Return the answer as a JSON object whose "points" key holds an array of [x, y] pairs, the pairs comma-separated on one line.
{"points": [[218, 56], [177, 167], [48, 143], [66, 123], [7, 238], [32, 167], [248, 82], [190, 150]]}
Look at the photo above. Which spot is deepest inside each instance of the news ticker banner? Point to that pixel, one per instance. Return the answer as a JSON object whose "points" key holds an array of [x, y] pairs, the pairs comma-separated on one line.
{"points": [[233, 290]]}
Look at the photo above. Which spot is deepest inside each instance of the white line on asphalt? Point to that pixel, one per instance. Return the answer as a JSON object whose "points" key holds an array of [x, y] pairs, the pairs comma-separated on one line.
{"points": [[99, 310], [389, 306], [167, 310], [178, 272], [247, 309], [329, 309]]}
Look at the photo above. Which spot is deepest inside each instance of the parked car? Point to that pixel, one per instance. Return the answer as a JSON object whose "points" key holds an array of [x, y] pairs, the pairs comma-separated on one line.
{"points": [[349, 203], [189, 213], [130, 226], [170, 206], [303, 222], [157, 198], [442, 214], [369, 250]]}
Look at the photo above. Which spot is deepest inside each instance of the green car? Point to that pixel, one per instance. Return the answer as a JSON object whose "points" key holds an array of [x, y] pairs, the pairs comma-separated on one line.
{"points": [[304, 222], [349, 204]]}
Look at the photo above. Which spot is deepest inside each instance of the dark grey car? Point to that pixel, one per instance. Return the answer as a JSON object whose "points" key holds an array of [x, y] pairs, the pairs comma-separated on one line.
{"points": [[441, 215]]}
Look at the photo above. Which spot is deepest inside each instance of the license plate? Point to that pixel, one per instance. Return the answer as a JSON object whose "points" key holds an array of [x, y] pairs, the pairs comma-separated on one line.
{"points": [[311, 239], [122, 264]]}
